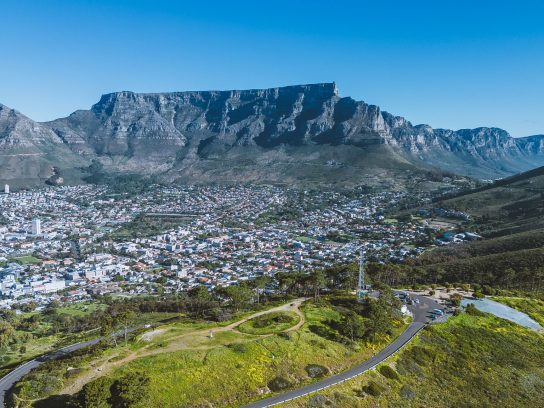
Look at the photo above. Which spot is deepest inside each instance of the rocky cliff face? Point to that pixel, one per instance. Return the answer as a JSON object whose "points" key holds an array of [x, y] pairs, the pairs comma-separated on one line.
{"points": [[162, 126], [200, 135]]}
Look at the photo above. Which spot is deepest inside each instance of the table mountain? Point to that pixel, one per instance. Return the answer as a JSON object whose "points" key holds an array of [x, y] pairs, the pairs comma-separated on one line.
{"points": [[306, 133]]}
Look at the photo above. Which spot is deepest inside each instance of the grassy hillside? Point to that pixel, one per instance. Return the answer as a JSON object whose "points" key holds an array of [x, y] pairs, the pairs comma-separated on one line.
{"points": [[511, 205], [469, 361], [510, 215], [186, 363]]}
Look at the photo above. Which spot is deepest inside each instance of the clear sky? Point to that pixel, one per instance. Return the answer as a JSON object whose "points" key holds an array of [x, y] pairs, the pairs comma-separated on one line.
{"points": [[452, 64]]}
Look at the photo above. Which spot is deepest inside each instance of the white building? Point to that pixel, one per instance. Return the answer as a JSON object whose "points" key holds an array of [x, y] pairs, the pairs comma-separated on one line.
{"points": [[6, 188], [36, 226]]}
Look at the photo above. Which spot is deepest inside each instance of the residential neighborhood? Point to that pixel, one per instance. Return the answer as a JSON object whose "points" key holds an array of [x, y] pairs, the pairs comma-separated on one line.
{"points": [[73, 243]]}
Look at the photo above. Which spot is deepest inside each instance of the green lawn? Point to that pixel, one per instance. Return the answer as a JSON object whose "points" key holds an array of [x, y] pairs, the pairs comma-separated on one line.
{"points": [[26, 260], [81, 309]]}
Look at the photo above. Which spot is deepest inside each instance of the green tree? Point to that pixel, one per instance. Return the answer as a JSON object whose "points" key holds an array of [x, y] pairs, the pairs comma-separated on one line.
{"points": [[130, 390], [95, 394], [238, 295], [200, 299], [379, 319], [124, 319], [318, 281], [259, 284], [352, 326]]}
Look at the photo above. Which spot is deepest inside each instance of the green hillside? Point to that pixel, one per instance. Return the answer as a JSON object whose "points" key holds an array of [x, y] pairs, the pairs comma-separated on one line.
{"points": [[472, 360], [511, 205]]}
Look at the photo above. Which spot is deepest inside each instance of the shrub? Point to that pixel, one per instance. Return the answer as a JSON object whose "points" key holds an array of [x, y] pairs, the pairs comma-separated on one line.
{"points": [[319, 401], [374, 389], [316, 370], [389, 372], [421, 355], [285, 335], [407, 392], [130, 389], [278, 384], [238, 347], [95, 394], [478, 295], [471, 310], [455, 299]]}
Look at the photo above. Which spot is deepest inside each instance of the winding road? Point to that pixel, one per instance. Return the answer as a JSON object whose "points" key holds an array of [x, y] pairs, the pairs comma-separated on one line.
{"points": [[422, 316], [9, 380], [421, 313]]}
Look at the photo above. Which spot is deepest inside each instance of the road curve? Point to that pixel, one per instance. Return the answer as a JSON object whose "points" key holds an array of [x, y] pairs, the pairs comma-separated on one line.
{"points": [[10, 379], [421, 318]]}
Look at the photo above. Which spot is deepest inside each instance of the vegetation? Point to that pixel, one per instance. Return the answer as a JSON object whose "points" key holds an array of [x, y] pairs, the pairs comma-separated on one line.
{"points": [[269, 323], [26, 260], [468, 361], [122, 183], [285, 359], [146, 226], [508, 206]]}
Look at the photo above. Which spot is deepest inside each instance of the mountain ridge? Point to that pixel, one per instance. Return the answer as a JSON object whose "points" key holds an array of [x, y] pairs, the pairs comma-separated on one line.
{"points": [[181, 134]]}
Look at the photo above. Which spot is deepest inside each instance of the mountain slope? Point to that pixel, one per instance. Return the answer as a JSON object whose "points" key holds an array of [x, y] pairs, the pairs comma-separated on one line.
{"points": [[511, 205], [29, 151]]}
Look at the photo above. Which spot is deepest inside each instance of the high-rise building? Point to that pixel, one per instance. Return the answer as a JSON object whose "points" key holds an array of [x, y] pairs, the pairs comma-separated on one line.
{"points": [[6, 188], [36, 226]]}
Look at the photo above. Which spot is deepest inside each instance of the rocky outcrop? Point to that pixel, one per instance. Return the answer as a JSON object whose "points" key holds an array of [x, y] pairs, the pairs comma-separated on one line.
{"points": [[19, 132]]}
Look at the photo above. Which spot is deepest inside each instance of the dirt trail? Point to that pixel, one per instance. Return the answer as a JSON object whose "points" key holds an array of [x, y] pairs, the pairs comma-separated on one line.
{"points": [[104, 366]]}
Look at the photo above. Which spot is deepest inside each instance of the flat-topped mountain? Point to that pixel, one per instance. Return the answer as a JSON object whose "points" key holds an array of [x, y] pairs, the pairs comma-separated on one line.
{"points": [[303, 132]]}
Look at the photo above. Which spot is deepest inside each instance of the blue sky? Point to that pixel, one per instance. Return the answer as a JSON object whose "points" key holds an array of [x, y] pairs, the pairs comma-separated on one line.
{"points": [[452, 64]]}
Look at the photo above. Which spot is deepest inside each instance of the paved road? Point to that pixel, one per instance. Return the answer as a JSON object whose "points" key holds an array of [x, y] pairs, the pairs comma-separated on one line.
{"points": [[9, 380], [422, 316]]}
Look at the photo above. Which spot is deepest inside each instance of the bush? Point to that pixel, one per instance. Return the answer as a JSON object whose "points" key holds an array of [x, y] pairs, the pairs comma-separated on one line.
{"points": [[389, 372], [95, 394], [318, 401], [471, 310], [285, 335], [374, 389], [421, 355], [279, 384], [455, 299], [407, 392], [238, 347], [478, 295], [130, 389], [316, 370]]}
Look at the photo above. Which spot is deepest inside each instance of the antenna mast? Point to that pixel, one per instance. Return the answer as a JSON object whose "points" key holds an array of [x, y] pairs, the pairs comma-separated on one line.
{"points": [[361, 287]]}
